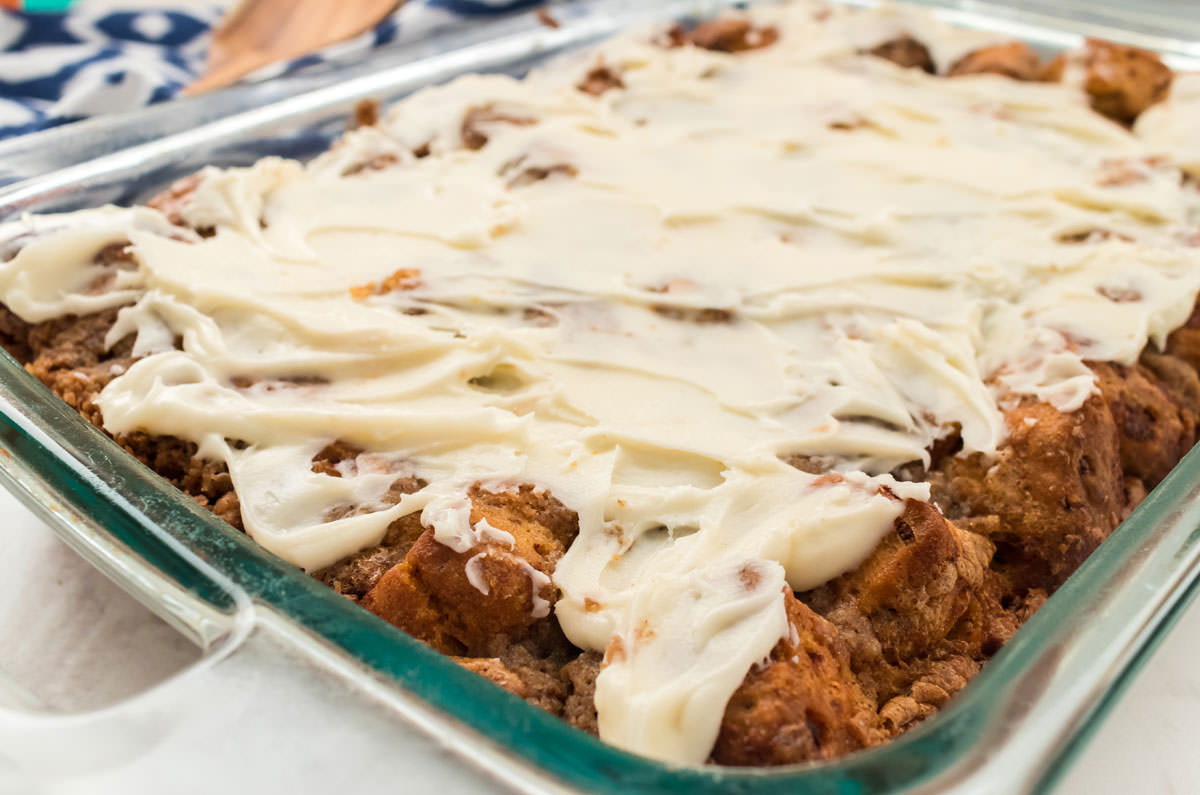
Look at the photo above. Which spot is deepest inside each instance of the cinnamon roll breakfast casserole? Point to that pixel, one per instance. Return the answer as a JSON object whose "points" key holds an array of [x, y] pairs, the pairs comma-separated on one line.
{"points": [[732, 391]]}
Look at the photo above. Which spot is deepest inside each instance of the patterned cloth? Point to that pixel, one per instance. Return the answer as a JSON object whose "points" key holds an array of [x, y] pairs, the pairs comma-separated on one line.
{"points": [[57, 68]]}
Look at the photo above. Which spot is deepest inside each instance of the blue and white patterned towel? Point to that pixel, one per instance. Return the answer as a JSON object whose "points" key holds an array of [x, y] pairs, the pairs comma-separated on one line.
{"points": [[57, 68]]}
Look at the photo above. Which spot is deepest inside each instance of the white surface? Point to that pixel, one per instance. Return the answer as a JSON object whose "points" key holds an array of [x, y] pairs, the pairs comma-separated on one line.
{"points": [[118, 703], [68, 635], [77, 642]]}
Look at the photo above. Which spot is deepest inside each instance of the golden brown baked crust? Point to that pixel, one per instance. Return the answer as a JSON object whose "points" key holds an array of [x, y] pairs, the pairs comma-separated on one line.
{"points": [[1123, 81], [1050, 496], [1016, 60], [803, 703], [431, 596], [900, 605], [1153, 430], [907, 52]]}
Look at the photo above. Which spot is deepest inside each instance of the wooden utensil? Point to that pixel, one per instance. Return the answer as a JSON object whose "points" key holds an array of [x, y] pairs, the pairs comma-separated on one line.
{"points": [[260, 32]]}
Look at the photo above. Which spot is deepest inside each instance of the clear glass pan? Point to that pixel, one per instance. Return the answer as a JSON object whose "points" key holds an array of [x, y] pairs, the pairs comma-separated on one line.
{"points": [[1014, 728]]}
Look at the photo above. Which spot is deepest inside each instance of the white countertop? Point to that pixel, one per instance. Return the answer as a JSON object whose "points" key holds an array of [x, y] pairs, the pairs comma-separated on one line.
{"points": [[78, 642]]}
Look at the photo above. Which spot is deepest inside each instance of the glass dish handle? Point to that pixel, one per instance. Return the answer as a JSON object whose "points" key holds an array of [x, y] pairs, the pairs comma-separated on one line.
{"points": [[87, 513], [258, 712]]}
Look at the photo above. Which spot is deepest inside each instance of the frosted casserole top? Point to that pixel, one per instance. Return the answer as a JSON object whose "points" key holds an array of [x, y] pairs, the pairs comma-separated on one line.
{"points": [[647, 302]]}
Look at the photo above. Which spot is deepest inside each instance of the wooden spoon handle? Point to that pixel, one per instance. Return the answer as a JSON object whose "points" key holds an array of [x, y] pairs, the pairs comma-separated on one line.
{"points": [[261, 32]]}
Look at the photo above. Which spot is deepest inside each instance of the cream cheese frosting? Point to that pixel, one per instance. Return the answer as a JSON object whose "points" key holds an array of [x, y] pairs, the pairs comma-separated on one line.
{"points": [[647, 303]]}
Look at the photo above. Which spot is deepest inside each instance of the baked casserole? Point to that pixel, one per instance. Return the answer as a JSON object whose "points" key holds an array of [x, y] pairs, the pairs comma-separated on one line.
{"points": [[731, 391]]}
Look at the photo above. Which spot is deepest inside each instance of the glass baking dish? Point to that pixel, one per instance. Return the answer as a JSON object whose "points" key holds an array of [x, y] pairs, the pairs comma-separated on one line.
{"points": [[1014, 728]]}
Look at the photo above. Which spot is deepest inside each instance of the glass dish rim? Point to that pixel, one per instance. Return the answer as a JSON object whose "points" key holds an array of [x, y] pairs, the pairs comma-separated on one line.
{"points": [[218, 566]]}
